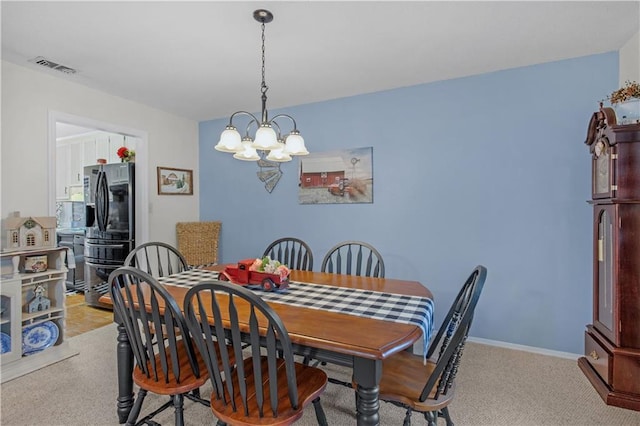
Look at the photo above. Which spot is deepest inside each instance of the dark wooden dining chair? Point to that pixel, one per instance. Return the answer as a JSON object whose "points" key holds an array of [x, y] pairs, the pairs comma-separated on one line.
{"points": [[265, 388], [429, 389], [166, 363], [351, 258], [156, 258], [354, 258], [293, 252]]}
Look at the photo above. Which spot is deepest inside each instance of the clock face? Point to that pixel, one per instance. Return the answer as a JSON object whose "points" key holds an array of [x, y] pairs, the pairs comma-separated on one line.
{"points": [[599, 148]]}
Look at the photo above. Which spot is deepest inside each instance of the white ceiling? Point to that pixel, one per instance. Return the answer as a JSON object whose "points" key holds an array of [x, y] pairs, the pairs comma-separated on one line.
{"points": [[201, 60]]}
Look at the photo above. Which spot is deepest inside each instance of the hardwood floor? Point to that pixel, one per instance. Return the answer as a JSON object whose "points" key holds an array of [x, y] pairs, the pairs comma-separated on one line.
{"points": [[82, 317]]}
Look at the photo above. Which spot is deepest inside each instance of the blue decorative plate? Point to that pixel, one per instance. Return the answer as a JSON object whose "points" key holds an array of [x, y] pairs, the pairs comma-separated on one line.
{"points": [[38, 337], [6, 342]]}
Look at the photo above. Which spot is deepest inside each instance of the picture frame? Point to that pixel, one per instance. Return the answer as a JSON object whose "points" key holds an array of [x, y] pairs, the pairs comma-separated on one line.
{"points": [[173, 181], [343, 176]]}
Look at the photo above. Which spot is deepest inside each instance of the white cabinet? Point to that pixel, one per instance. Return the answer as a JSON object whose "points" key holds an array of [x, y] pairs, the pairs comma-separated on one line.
{"points": [[69, 169], [10, 297], [76, 163], [37, 337], [115, 142], [63, 163], [74, 153], [102, 147], [89, 158], [107, 145]]}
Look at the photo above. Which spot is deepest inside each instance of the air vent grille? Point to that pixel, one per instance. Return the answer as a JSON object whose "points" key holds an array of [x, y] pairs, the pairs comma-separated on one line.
{"points": [[52, 65]]}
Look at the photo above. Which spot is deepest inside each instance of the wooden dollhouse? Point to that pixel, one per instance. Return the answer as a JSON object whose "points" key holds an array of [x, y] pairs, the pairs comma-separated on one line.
{"points": [[28, 233]]}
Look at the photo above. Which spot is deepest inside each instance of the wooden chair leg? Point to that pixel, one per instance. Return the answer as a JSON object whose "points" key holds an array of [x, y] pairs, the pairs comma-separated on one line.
{"points": [[445, 413], [135, 410], [178, 404], [320, 416], [407, 418], [431, 417]]}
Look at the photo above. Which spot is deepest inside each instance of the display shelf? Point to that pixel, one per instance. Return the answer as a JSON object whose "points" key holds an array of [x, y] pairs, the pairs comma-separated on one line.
{"points": [[39, 317], [19, 290]]}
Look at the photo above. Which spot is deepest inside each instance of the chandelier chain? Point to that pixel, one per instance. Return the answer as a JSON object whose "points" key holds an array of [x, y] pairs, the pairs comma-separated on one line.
{"points": [[264, 86]]}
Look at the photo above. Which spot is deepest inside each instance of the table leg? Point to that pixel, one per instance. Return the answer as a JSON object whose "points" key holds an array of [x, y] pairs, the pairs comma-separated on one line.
{"points": [[125, 369], [367, 374]]}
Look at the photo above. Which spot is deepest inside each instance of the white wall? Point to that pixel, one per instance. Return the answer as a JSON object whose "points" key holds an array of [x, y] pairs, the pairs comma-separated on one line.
{"points": [[630, 60], [28, 99]]}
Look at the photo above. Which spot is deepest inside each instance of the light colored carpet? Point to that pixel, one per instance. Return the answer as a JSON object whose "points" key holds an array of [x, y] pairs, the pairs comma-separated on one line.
{"points": [[495, 387]]}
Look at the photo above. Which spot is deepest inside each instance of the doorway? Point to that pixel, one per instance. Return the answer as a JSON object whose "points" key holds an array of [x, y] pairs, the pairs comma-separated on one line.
{"points": [[80, 316], [70, 122]]}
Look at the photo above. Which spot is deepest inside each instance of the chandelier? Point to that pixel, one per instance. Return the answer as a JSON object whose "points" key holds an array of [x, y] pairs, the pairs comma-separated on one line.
{"points": [[269, 141]]}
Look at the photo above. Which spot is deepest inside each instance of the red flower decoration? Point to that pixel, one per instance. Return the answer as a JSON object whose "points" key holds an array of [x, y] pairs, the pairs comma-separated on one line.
{"points": [[123, 152]]}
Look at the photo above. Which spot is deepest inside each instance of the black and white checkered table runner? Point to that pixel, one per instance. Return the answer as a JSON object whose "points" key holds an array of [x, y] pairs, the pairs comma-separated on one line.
{"points": [[363, 303]]}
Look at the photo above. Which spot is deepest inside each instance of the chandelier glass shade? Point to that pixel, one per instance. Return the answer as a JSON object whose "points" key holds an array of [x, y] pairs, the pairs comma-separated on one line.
{"points": [[268, 142]]}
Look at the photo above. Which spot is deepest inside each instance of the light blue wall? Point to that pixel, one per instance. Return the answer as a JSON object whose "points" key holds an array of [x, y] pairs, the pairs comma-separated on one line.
{"points": [[491, 169]]}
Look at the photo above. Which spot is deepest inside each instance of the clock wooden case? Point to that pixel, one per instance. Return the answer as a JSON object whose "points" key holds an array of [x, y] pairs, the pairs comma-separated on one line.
{"points": [[612, 341]]}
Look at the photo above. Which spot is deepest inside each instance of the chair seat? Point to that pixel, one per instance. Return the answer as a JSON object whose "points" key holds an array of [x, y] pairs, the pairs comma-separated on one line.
{"points": [[406, 377], [311, 383], [169, 385], [403, 379]]}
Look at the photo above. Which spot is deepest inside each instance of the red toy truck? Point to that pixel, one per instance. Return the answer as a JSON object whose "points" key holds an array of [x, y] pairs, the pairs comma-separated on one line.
{"points": [[241, 275]]}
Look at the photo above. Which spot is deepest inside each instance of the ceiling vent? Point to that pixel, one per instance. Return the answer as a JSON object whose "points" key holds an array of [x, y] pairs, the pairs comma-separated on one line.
{"points": [[52, 65]]}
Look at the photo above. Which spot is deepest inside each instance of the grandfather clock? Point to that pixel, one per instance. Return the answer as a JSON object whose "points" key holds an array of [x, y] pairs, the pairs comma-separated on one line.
{"points": [[612, 341]]}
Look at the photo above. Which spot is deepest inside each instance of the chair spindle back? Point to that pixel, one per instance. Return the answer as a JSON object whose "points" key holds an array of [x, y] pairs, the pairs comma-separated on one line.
{"points": [[293, 252], [354, 258], [452, 335], [219, 312], [158, 259], [154, 324]]}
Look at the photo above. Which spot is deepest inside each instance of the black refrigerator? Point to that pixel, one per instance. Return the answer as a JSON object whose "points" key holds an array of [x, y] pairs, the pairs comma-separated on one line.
{"points": [[109, 196]]}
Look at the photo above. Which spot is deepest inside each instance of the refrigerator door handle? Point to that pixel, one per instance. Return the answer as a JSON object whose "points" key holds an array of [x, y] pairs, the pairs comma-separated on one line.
{"points": [[102, 201], [116, 246], [104, 265]]}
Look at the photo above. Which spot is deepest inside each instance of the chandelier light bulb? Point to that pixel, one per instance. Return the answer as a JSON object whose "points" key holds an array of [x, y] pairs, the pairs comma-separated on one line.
{"points": [[279, 154], [246, 153], [295, 144], [266, 138], [229, 140]]}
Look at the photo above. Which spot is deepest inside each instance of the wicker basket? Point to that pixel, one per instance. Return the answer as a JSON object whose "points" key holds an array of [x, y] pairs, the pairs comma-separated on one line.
{"points": [[198, 242]]}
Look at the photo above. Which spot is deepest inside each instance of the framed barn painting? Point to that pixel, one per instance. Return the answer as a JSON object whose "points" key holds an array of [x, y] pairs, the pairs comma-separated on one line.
{"points": [[337, 177], [175, 181]]}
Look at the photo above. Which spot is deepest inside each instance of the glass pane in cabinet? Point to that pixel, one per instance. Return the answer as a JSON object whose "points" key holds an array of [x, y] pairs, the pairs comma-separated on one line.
{"points": [[605, 270], [5, 323], [601, 181]]}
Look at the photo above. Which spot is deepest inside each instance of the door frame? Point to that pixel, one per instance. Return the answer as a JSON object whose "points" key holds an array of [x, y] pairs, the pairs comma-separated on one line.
{"points": [[142, 164]]}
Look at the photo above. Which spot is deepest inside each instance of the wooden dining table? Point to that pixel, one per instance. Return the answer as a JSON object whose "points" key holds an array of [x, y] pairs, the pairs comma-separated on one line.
{"points": [[348, 340]]}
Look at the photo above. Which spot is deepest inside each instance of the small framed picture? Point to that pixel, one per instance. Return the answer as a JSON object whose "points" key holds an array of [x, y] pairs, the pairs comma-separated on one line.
{"points": [[175, 181]]}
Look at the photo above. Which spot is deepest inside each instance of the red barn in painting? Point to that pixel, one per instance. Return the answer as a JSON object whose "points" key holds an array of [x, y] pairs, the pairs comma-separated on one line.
{"points": [[321, 172]]}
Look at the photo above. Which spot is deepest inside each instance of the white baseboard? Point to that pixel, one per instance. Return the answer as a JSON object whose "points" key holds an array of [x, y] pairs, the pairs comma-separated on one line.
{"points": [[533, 349]]}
